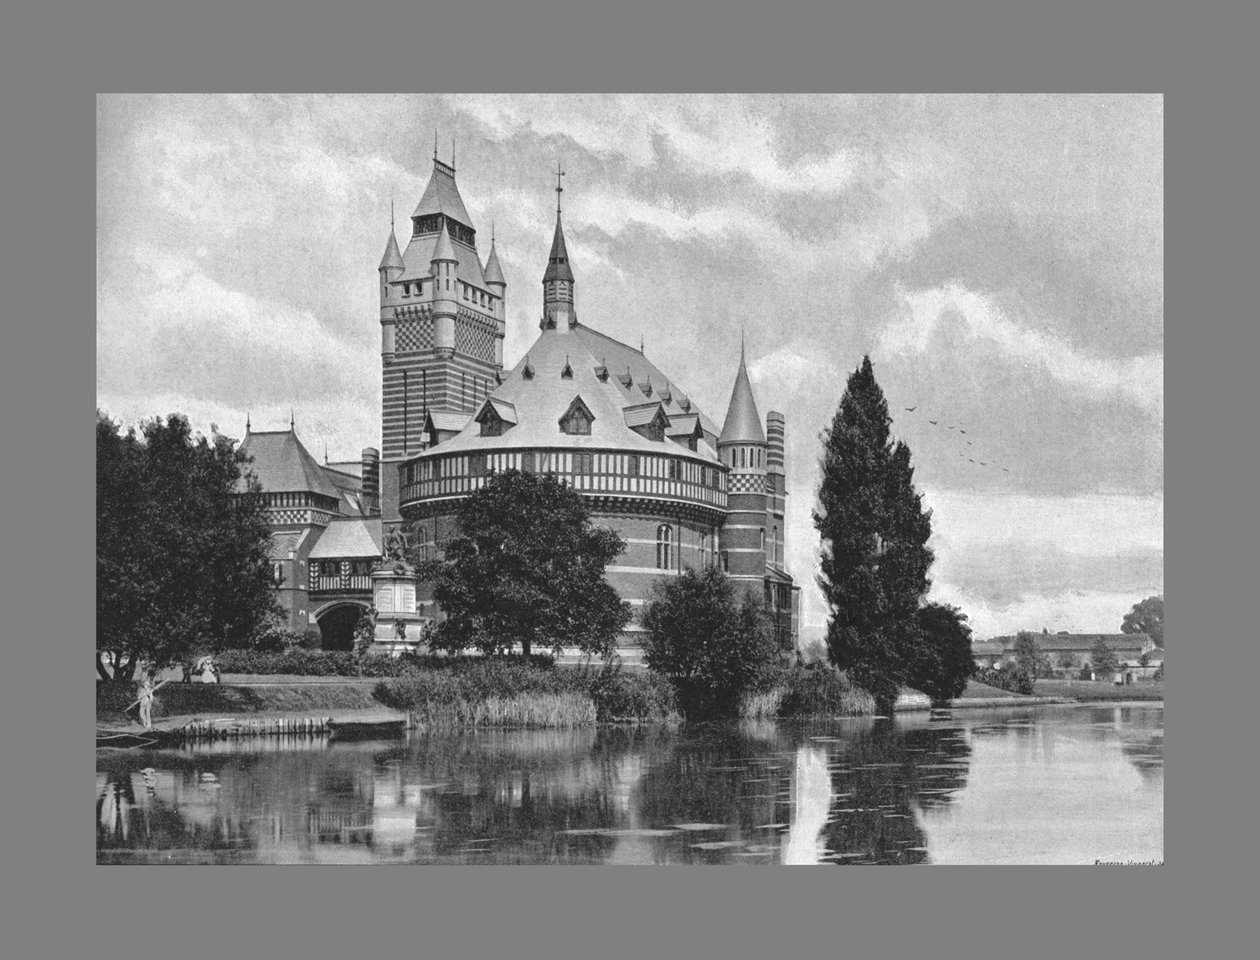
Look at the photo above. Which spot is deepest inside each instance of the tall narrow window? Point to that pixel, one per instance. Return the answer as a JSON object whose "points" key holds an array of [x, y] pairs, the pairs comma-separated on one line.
{"points": [[664, 546]]}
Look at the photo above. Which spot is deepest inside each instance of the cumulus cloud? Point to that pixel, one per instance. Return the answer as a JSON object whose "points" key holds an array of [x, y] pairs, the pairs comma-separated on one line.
{"points": [[1138, 380]]}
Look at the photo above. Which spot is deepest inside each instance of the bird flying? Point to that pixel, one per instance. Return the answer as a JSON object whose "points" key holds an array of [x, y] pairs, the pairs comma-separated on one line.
{"points": [[961, 430], [912, 409], [933, 422], [969, 460]]}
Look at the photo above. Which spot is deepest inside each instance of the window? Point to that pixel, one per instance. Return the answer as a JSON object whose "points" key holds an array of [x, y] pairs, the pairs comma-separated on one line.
{"points": [[664, 546], [632, 465], [527, 461], [673, 469], [277, 573], [584, 463], [577, 419], [477, 465], [491, 424]]}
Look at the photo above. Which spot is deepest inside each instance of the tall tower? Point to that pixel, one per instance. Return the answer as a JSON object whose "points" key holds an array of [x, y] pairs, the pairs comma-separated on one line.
{"points": [[776, 490], [558, 311], [442, 325], [742, 447]]}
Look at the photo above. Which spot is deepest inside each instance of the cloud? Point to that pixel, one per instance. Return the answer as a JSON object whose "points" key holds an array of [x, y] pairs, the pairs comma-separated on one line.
{"points": [[716, 135], [1138, 380]]}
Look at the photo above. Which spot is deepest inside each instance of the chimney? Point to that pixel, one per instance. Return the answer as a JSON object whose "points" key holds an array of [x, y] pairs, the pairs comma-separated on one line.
{"points": [[371, 458]]}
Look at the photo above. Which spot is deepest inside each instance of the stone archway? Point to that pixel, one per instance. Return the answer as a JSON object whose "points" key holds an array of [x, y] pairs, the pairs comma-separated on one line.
{"points": [[336, 624]]}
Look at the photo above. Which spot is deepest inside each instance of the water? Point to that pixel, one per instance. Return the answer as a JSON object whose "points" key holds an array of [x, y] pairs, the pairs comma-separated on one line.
{"points": [[1036, 785]]}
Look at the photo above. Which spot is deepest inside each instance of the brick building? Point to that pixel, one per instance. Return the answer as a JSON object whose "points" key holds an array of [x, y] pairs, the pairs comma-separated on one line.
{"points": [[579, 404]]}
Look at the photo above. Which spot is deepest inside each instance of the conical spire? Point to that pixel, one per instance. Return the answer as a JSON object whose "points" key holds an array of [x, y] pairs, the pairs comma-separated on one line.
{"points": [[743, 423], [558, 260], [493, 272], [443, 250], [393, 258]]}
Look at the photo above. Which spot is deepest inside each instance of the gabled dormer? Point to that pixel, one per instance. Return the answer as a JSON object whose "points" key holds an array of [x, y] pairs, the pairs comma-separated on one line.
{"points": [[496, 417], [648, 420], [577, 419]]}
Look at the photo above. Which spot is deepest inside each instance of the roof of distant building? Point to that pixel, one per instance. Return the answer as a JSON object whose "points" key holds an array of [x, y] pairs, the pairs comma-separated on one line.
{"points": [[354, 537], [1048, 642], [283, 465]]}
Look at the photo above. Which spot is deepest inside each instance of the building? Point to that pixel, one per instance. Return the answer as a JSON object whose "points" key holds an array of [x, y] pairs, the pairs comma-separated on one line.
{"points": [[326, 532], [682, 491], [1128, 648]]}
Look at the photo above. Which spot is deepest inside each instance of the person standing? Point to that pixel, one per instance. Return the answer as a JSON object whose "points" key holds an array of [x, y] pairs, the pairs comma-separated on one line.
{"points": [[146, 701]]}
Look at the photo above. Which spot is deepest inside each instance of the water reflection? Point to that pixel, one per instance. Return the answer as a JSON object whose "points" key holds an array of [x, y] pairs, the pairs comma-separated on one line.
{"points": [[949, 789]]}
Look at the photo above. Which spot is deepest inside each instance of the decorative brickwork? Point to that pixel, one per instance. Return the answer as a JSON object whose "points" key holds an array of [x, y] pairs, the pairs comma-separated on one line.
{"points": [[747, 483], [414, 335]]}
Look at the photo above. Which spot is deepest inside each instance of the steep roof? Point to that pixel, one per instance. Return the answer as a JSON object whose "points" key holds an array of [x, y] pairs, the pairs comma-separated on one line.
{"points": [[442, 196], [558, 260], [392, 257], [443, 420], [284, 542], [493, 272], [418, 260], [540, 401], [350, 537], [283, 465], [743, 423], [986, 648], [621, 356]]}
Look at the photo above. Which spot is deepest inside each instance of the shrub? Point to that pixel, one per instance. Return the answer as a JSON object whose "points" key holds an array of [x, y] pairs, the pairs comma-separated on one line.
{"points": [[1010, 677], [807, 693], [312, 663]]}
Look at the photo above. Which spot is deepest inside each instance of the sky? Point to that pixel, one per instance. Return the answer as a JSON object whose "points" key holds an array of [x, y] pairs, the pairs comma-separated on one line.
{"points": [[999, 258]]}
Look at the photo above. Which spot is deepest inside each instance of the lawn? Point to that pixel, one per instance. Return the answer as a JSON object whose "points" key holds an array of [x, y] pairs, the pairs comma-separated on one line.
{"points": [[977, 691], [1101, 690]]}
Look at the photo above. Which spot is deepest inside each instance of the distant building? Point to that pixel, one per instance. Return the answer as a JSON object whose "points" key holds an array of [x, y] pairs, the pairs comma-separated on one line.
{"points": [[1128, 648]]}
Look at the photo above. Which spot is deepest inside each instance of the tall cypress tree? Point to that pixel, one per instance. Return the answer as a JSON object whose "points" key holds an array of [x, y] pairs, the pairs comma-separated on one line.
{"points": [[874, 533]]}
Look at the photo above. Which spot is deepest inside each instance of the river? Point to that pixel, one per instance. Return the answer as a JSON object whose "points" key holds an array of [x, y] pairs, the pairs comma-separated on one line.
{"points": [[1053, 784]]}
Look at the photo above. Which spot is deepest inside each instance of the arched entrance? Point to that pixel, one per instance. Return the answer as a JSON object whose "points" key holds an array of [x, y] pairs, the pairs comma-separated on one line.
{"points": [[336, 625]]}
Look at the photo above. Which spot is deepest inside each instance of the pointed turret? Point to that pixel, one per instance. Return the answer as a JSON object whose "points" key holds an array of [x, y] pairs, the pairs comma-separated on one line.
{"points": [[743, 423], [493, 272], [392, 260], [444, 252]]}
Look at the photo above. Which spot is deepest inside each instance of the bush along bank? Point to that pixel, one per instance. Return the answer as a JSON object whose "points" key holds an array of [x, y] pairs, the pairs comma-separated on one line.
{"points": [[815, 692], [340, 663], [476, 692]]}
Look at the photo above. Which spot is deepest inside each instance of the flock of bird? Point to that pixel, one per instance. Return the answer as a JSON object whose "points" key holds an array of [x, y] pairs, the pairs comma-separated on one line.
{"points": [[967, 454]]}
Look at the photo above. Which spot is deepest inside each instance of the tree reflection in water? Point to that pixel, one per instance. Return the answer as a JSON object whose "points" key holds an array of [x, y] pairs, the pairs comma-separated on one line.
{"points": [[724, 793]]}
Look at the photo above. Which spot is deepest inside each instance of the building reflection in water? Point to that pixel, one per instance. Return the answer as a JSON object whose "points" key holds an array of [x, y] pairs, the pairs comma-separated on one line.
{"points": [[863, 791]]}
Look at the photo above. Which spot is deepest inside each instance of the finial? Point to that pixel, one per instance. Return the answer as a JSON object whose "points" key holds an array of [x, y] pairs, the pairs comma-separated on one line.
{"points": [[391, 211], [247, 421], [492, 233], [325, 453], [559, 188], [452, 152], [435, 143], [290, 418], [640, 343]]}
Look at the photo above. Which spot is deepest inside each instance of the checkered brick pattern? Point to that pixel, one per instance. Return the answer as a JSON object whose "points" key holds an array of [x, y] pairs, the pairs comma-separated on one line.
{"points": [[289, 516], [746, 483], [474, 340], [413, 335]]}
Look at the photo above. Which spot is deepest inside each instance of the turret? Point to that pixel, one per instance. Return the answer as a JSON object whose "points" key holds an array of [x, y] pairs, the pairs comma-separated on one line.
{"points": [[776, 489], [443, 266], [391, 269], [498, 286], [742, 447], [558, 311]]}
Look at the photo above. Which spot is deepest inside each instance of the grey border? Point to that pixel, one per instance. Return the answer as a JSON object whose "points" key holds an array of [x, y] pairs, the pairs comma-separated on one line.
{"points": [[54, 63]]}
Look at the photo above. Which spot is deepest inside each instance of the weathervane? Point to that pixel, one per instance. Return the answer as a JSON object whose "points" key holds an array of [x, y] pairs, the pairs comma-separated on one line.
{"points": [[559, 188]]}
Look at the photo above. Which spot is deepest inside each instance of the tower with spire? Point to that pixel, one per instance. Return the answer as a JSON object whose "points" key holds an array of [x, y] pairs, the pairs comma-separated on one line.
{"points": [[742, 448], [558, 311], [442, 320]]}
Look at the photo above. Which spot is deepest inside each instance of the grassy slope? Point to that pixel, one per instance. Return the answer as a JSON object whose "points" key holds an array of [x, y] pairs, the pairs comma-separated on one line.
{"points": [[1100, 690]]}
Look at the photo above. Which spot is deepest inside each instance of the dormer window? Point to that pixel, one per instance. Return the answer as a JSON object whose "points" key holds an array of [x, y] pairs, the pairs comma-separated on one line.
{"points": [[496, 417], [602, 371], [527, 372], [577, 419], [567, 372]]}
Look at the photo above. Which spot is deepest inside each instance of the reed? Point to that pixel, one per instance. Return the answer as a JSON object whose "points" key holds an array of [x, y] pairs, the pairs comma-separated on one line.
{"points": [[807, 693]]}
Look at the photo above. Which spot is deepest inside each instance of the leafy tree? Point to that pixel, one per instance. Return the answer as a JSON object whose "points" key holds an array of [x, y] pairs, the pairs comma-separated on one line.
{"points": [[527, 569], [710, 644], [1146, 617], [1068, 661], [874, 533], [1103, 658], [365, 628], [1028, 655], [181, 546], [942, 661]]}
